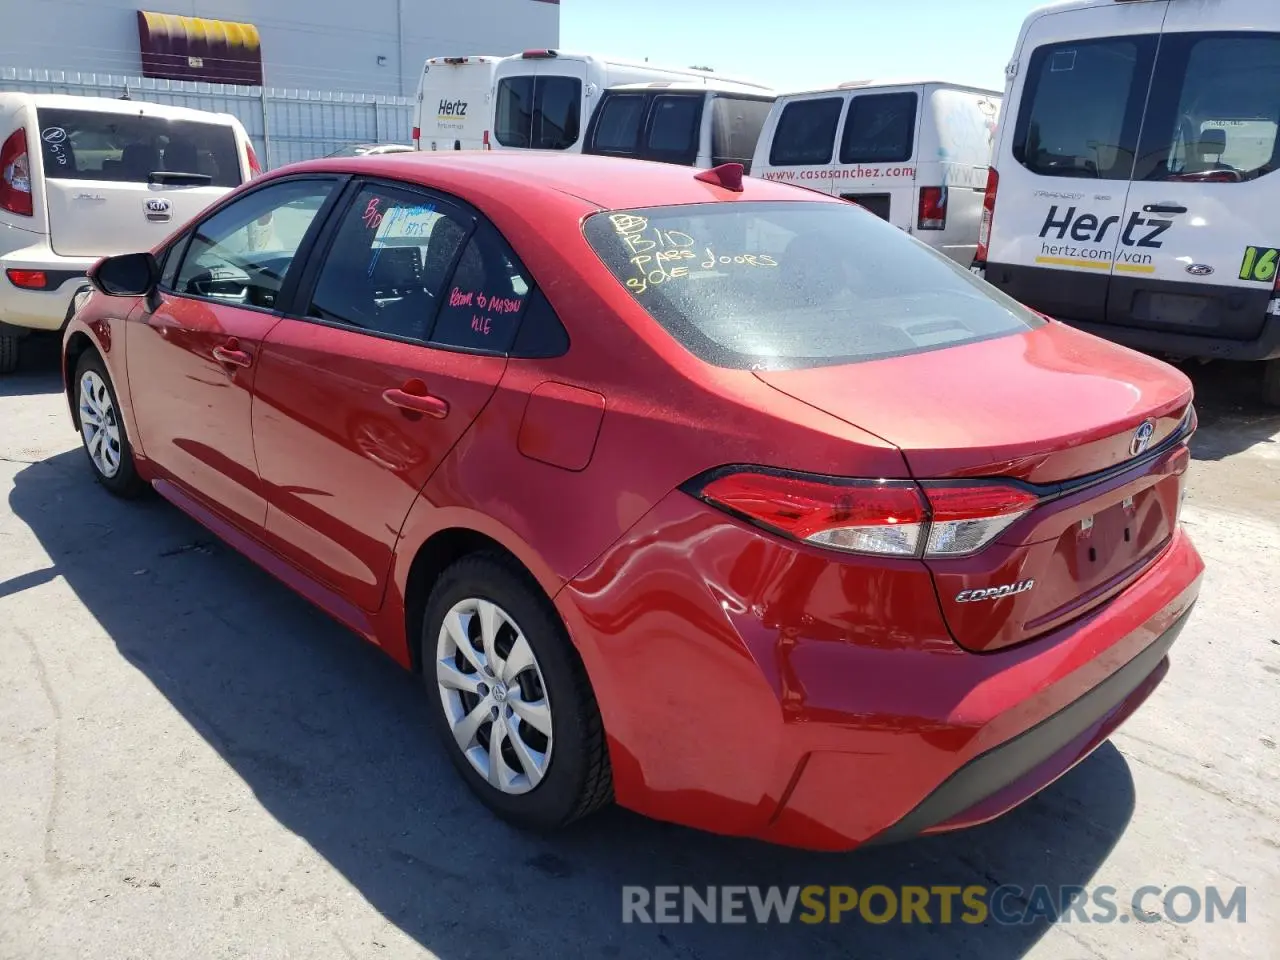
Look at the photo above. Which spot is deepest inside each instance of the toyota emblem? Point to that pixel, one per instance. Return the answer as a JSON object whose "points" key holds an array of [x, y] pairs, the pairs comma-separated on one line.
{"points": [[1142, 438]]}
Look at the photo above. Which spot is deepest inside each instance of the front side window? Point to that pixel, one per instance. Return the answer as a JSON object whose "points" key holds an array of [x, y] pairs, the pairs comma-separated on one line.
{"points": [[879, 128], [243, 252], [806, 133], [618, 129], [782, 285], [1214, 110], [1082, 107], [538, 112], [388, 263], [126, 148]]}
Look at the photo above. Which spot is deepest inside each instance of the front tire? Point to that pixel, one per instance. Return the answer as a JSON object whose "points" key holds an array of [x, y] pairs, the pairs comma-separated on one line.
{"points": [[1271, 382], [9, 352], [102, 429], [510, 697]]}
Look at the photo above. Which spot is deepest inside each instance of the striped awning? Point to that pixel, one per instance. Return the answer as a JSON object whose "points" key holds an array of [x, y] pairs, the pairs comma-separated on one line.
{"points": [[194, 48]]}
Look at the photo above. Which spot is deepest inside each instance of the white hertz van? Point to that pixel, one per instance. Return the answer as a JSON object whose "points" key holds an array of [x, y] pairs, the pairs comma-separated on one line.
{"points": [[455, 104], [1134, 191], [668, 121], [914, 153], [85, 177], [544, 99]]}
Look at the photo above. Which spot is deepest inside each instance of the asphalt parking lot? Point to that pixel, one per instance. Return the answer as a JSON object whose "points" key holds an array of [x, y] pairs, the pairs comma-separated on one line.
{"points": [[196, 763]]}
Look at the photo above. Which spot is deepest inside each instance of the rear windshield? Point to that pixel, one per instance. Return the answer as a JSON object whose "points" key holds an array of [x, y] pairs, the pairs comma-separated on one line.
{"points": [[86, 145], [784, 285]]}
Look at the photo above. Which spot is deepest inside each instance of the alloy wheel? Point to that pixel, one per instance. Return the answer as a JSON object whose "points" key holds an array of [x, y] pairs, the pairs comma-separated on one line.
{"points": [[99, 424]]}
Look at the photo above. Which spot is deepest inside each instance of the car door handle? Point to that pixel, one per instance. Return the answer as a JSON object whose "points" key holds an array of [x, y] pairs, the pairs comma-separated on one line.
{"points": [[1164, 208], [417, 402], [230, 354]]}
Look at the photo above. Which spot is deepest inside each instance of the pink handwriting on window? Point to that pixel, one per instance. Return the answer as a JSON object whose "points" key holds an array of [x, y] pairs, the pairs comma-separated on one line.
{"points": [[481, 325], [498, 304], [372, 215], [457, 298]]}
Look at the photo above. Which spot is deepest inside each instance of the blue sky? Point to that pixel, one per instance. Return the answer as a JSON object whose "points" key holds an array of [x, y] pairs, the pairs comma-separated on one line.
{"points": [[794, 44]]}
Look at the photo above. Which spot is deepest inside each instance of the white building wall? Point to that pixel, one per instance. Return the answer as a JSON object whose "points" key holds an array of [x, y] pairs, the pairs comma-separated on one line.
{"points": [[311, 44]]}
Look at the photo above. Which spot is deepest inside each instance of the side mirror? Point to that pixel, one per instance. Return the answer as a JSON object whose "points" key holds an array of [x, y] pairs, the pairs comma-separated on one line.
{"points": [[128, 275]]}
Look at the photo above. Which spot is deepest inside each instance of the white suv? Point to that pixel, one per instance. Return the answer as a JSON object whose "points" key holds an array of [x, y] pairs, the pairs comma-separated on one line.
{"points": [[87, 177]]}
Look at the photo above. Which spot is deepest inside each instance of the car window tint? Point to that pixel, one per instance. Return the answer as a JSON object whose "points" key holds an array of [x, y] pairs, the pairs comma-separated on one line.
{"points": [[387, 263], [513, 122], [880, 128], [783, 285], [127, 148], [486, 296], [674, 129], [557, 105], [1082, 108], [172, 259], [806, 132], [618, 129], [1214, 112], [735, 129], [242, 253]]}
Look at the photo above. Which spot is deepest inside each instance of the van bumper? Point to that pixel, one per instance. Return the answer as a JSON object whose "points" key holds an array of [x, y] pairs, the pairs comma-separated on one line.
{"points": [[1265, 347]]}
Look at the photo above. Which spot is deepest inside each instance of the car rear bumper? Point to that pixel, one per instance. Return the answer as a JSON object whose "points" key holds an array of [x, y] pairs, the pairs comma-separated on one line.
{"points": [[23, 309], [756, 688]]}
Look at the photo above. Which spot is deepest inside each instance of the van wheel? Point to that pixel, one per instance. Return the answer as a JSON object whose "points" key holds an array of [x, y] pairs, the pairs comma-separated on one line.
{"points": [[510, 697], [9, 353], [1271, 382]]}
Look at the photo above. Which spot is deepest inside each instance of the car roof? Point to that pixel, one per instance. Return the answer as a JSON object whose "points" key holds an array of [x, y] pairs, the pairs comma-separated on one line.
{"points": [[62, 101], [609, 183]]}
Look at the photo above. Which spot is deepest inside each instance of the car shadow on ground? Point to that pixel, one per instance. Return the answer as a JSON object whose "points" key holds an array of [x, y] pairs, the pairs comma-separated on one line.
{"points": [[1233, 417], [333, 739], [37, 372]]}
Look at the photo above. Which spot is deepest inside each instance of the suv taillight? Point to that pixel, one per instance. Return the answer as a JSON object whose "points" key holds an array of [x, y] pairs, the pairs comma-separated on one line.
{"points": [[255, 168], [933, 208], [15, 175], [415, 136], [988, 217], [888, 518]]}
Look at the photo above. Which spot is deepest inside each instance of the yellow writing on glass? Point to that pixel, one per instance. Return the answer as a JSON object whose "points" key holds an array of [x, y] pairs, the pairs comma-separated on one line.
{"points": [[659, 256]]}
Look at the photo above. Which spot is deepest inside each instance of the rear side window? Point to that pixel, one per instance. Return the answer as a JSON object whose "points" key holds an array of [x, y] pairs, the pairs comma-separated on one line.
{"points": [[1214, 111], [486, 297], [1082, 107], [87, 145], [618, 128], [540, 113], [806, 132], [787, 285], [735, 129], [674, 128], [880, 128]]}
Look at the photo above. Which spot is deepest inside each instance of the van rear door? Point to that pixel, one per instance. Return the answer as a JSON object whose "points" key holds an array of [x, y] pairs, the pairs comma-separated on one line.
{"points": [[120, 182], [1076, 107], [544, 105], [801, 141], [1202, 238], [877, 147]]}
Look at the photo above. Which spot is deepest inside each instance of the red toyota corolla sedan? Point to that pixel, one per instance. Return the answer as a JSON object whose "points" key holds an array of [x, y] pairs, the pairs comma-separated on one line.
{"points": [[715, 496]]}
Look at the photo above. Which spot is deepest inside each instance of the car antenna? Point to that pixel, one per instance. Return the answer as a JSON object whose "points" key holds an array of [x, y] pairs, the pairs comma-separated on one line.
{"points": [[727, 175]]}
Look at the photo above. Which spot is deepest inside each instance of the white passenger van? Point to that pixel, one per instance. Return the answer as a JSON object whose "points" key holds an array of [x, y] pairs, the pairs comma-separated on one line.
{"points": [[88, 177], [455, 104], [697, 125], [1134, 191], [915, 153], [544, 98]]}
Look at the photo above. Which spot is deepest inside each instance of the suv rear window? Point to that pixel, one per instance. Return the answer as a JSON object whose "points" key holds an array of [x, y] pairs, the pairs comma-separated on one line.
{"points": [[87, 145], [880, 128], [806, 133], [539, 113], [783, 285], [1082, 107]]}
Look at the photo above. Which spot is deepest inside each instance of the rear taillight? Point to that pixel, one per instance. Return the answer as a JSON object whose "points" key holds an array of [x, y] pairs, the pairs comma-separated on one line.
{"points": [[486, 144], [891, 518], [933, 208], [416, 135], [988, 217], [15, 175], [28, 279], [255, 168]]}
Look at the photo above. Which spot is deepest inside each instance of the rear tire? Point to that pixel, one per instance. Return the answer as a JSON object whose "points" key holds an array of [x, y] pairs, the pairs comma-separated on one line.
{"points": [[102, 429], [9, 352], [1271, 382], [504, 666]]}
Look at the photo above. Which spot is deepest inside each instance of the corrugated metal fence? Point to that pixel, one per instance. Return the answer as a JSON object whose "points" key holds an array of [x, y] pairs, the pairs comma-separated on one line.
{"points": [[285, 125]]}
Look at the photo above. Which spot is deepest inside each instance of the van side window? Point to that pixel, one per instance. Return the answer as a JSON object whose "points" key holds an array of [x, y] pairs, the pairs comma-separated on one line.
{"points": [[806, 132], [1214, 112], [1082, 107], [674, 128], [735, 129], [539, 113], [618, 129], [880, 128]]}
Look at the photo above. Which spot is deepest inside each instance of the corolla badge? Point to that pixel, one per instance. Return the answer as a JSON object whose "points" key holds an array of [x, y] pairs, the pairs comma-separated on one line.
{"points": [[1142, 437], [995, 593], [1200, 270], [158, 210]]}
